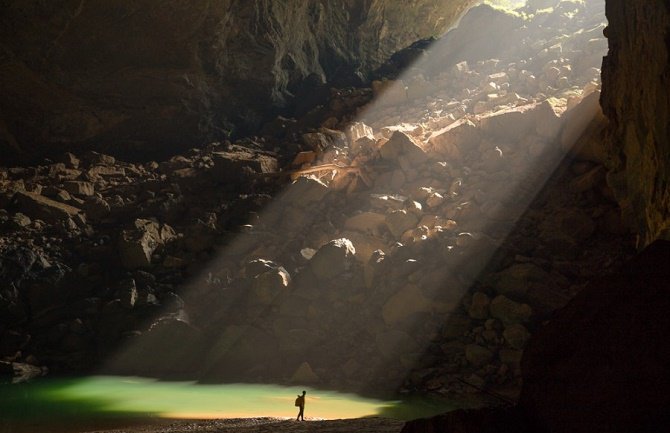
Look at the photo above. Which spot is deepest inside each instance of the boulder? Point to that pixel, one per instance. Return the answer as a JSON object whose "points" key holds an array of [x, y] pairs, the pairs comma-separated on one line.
{"points": [[96, 207], [232, 166], [97, 158], [80, 188], [403, 304], [237, 350], [508, 311], [402, 145], [255, 267], [576, 224], [549, 122], [399, 221], [516, 336], [333, 259], [167, 349], [477, 355], [304, 191], [98, 172], [479, 307], [515, 280], [392, 343], [304, 375], [511, 357], [20, 220], [366, 244], [511, 123], [268, 285], [366, 222], [414, 130], [136, 246], [69, 159], [357, 130], [39, 207], [386, 201], [455, 140]]}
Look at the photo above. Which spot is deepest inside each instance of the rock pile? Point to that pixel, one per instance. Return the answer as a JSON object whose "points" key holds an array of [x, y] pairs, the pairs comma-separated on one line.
{"points": [[408, 251], [91, 246], [421, 221]]}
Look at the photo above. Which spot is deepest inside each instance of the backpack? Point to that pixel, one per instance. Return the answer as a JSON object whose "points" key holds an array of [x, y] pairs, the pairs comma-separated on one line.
{"points": [[298, 401]]}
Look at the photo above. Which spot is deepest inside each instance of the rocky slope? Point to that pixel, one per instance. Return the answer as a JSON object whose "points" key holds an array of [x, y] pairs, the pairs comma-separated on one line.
{"points": [[597, 366], [141, 79], [422, 221]]}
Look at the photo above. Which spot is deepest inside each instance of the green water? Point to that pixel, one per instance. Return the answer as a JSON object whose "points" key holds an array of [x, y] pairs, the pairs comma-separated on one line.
{"points": [[103, 400]]}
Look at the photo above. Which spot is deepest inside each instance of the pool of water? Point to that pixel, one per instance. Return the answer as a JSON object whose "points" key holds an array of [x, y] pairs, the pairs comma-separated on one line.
{"points": [[104, 401]]}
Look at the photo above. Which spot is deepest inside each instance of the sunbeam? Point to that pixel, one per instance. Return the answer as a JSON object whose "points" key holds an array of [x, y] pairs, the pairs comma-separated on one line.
{"points": [[356, 276]]}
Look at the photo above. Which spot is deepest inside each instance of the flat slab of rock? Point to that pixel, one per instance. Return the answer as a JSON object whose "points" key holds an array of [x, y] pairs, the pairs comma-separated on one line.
{"points": [[231, 165], [37, 206]]}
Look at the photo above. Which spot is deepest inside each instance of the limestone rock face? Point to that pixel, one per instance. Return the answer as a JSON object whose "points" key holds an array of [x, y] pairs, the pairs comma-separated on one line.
{"points": [[637, 103], [142, 78]]}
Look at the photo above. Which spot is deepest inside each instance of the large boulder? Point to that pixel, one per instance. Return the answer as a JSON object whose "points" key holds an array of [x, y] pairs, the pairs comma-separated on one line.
{"points": [[268, 279], [304, 191], [456, 139], [403, 304], [401, 145], [333, 259], [137, 245], [508, 311]]}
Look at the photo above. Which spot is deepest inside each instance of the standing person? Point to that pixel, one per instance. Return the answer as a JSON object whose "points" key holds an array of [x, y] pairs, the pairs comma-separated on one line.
{"points": [[300, 402]]}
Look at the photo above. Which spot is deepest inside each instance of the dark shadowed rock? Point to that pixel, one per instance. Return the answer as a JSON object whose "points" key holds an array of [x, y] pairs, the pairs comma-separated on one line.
{"points": [[601, 363], [471, 421], [38, 206], [234, 166]]}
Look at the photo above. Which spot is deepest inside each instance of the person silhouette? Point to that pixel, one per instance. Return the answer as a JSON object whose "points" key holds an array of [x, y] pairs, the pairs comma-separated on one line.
{"points": [[300, 402]]}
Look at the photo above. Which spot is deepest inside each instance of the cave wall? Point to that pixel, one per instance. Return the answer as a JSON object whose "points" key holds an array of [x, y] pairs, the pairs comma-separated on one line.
{"points": [[636, 99], [142, 79]]}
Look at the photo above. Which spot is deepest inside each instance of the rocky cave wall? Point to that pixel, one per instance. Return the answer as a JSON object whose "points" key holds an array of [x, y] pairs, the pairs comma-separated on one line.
{"points": [[635, 98], [144, 79]]}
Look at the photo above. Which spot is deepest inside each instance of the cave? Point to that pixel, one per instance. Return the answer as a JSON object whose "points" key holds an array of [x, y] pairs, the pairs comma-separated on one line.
{"points": [[458, 206]]}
